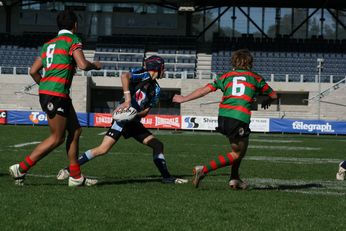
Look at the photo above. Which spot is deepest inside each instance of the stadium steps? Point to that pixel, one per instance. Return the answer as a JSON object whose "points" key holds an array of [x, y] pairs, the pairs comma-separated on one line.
{"points": [[203, 65], [335, 87], [89, 55]]}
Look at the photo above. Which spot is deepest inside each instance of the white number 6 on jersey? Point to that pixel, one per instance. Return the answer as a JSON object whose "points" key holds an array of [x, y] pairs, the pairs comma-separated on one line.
{"points": [[238, 88]]}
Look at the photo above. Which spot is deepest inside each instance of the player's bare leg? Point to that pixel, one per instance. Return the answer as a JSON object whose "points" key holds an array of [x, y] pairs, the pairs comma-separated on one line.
{"points": [[72, 144], [239, 146], [104, 147], [57, 127]]}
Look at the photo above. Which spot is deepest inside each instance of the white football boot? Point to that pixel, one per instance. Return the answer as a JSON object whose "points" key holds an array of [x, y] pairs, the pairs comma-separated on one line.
{"points": [[63, 174], [180, 181], [17, 175], [340, 175], [83, 181], [238, 184], [174, 180], [198, 175]]}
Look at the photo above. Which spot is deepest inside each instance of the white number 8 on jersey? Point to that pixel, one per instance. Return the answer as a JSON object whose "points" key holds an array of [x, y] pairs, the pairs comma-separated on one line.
{"points": [[49, 54]]}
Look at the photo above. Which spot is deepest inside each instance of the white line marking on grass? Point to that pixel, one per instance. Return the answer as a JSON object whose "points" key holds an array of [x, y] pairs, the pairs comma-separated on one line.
{"points": [[272, 147], [54, 176], [102, 134], [25, 144], [41, 175], [276, 141], [295, 160], [284, 147], [327, 193]]}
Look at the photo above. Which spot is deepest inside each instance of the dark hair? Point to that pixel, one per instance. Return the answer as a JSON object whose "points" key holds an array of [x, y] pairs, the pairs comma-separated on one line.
{"points": [[154, 63], [66, 20], [242, 59]]}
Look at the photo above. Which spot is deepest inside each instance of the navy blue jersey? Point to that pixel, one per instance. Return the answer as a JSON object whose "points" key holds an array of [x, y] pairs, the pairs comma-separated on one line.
{"points": [[145, 92]]}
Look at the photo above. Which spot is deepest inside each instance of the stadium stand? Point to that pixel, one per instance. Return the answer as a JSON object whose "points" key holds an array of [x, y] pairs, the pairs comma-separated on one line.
{"points": [[289, 60], [118, 53], [278, 60]]}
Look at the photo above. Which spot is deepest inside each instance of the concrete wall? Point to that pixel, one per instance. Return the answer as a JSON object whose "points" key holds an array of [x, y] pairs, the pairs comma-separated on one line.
{"points": [[12, 97], [327, 111]]}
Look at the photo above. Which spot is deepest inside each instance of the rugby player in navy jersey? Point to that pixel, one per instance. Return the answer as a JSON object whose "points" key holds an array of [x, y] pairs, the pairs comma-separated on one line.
{"points": [[141, 91]]}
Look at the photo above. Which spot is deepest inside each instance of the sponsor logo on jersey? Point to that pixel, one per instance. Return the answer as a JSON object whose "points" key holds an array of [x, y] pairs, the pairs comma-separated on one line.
{"points": [[241, 131], [298, 125], [50, 106], [140, 96]]}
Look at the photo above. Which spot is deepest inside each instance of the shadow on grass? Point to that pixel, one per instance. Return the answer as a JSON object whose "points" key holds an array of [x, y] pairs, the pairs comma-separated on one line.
{"points": [[4, 174], [135, 180], [287, 187]]}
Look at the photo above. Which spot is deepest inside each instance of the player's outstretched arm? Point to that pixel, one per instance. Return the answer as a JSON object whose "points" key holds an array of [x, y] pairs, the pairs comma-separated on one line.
{"points": [[84, 64], [199, 92], [34, 70], [266, 102]]}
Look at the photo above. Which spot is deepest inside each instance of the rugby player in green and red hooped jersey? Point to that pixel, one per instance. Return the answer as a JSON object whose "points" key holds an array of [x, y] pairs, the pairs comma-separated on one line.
{"points": [[59, 59], [239, 88]]}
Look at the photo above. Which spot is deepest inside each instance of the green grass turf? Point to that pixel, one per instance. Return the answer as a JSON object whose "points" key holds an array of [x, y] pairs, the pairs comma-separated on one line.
{"points": [[285, 194]]}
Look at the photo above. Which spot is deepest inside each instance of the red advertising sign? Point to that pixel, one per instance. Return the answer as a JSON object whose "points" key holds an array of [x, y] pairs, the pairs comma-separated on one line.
{"points": [[3, 117], [102, 120], [162, 121], [150, 121]]}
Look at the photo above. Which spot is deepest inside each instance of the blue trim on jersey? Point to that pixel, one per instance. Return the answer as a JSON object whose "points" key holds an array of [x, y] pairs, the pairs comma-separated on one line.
{"points": [[156, 97], [139, 74]]}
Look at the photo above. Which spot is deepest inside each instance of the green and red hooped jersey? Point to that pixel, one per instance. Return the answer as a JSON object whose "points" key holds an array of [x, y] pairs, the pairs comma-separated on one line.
{"points": [[239, 88], [58, 64]]}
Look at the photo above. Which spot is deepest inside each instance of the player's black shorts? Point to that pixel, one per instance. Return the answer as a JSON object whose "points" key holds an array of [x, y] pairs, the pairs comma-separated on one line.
{"points": [[233, 128], [129, 129], [53, 105]]}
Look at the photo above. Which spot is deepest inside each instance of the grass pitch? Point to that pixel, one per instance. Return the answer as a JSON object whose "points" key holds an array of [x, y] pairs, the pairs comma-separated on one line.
{"points": [[292, 179]]}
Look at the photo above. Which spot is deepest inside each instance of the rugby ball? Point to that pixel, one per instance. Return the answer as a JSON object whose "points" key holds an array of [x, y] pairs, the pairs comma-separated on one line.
{"points": [[125, 114]]}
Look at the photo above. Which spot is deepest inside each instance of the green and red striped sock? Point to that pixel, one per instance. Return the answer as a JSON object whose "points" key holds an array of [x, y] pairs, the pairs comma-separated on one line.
{"points": [[26, 164], [75, 171], [220, 162]]}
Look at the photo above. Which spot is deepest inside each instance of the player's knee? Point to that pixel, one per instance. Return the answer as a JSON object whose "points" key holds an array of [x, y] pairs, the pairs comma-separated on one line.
{"points": [[57, 140], [156, 145], [76, 133]]}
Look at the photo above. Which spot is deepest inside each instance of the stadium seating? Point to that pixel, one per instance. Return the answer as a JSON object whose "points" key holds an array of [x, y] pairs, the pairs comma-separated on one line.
{"points": [[280, 59], [286, 59], [19, 57]]}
